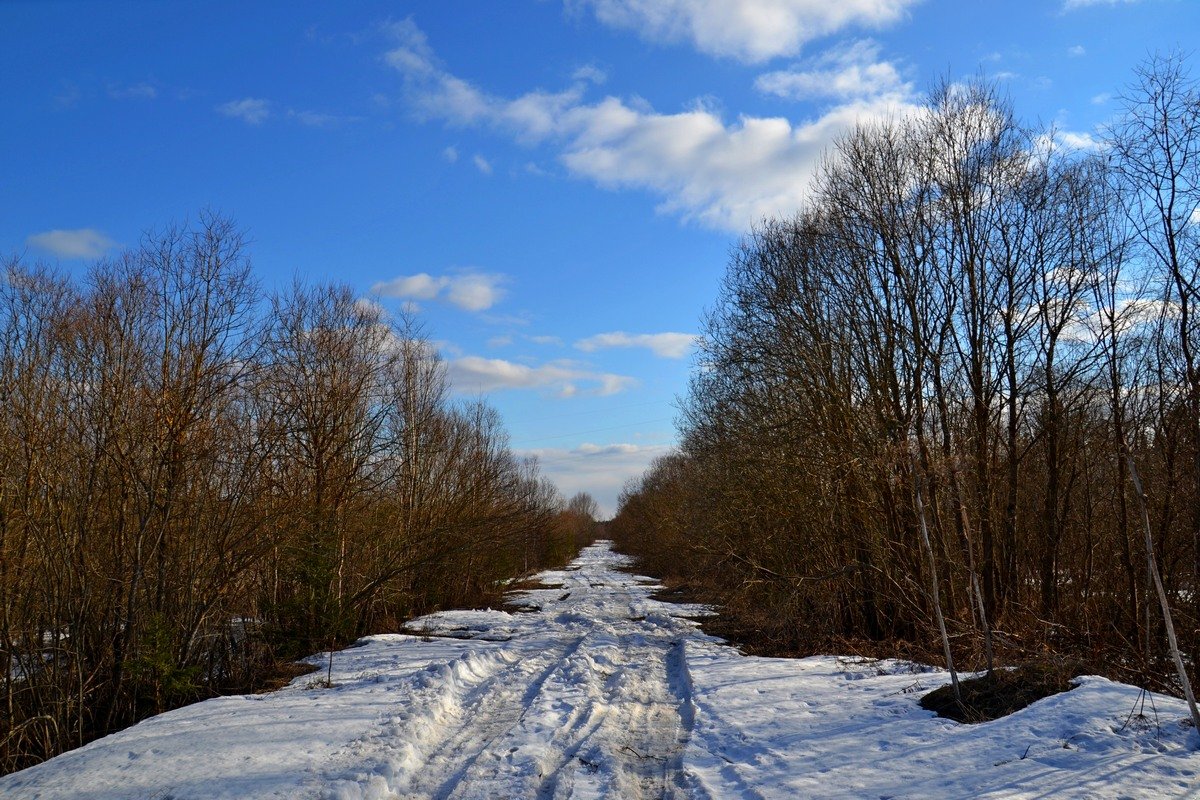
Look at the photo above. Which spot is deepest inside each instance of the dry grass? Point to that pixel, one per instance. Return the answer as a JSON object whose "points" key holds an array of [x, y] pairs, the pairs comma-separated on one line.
{"points": [[1002, 692]]}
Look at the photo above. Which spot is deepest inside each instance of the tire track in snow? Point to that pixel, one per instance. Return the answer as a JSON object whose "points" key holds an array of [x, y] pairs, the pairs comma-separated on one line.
{"points": [[630, 741], [487, 713], [653, 728], [594, 700]]}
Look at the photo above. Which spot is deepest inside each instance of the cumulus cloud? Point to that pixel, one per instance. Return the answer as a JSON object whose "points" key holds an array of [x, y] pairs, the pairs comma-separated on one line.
{"points": [[251, 110], [1071, 140], [471, 374], [747, 30], [469, 290], [1079, 140], [667, 345], [475, 291], [74, 243], [849, 73], [1076, 50], [726, 175], [600, 470]]}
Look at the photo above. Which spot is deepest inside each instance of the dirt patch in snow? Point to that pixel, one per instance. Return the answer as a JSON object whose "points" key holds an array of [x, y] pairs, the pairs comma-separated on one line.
{"points": [[1004, 691], [284, 673]]}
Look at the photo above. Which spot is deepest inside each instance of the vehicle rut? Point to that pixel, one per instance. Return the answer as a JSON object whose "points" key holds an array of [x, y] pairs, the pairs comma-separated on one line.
{"points": [[593, 699]]}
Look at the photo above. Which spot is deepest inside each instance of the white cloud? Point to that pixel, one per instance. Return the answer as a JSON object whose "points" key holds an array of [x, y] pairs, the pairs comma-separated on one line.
{"points": [[137, 91], [469, 290], [472, 374], [853, 72], [75, 243], [317, 119], [726, 175], [475, 291], [590, 73], [251, 110], [482, 164], [1079, 140], [667, 345], [370, 307], [548, 340], [450, 154], [600, 470], [447, 348], [1071, 5], [1076, 50], [748, 30], [1074, 140], [1101, 98], [421, 286]]}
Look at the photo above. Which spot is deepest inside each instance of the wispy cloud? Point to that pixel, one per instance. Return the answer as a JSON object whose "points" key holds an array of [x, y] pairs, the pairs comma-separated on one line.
{"points": [[74, 243], [450, 154], [726, 175], [1076, 50], [747, 30], [482, 164], [136, 91], [251, 110], [319, 119], [68, 96], [600, 470], [468, 290], [666, 345], [564, 378], [852, 72], [1071, 5], [590, 73]]}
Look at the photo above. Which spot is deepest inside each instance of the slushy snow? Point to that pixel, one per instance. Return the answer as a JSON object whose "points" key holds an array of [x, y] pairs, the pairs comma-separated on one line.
{"points": [[599, 691]]}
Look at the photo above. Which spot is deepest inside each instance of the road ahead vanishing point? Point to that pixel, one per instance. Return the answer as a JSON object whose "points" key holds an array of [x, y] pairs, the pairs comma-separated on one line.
{"points": [[596, 690]]}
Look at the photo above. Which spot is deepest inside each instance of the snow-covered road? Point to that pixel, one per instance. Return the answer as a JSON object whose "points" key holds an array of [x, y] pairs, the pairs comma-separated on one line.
{"points": [[598, 690], [590, 698]]}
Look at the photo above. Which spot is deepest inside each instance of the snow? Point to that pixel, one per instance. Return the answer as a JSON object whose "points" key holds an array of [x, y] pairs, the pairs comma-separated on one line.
{"points": [[597, 690]]}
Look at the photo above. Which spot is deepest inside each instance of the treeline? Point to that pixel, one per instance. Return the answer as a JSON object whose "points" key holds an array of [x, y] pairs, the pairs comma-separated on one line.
{"points": [[973, 335], [198, 482]]}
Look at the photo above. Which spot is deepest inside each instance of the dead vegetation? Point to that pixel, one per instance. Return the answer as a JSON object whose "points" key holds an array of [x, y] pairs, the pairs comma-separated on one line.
{"points": [[950, 411], [201, 482]]}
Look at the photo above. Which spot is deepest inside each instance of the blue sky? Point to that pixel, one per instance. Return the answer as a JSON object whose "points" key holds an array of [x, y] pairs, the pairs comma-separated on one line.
{"points": [[553, 187]]}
